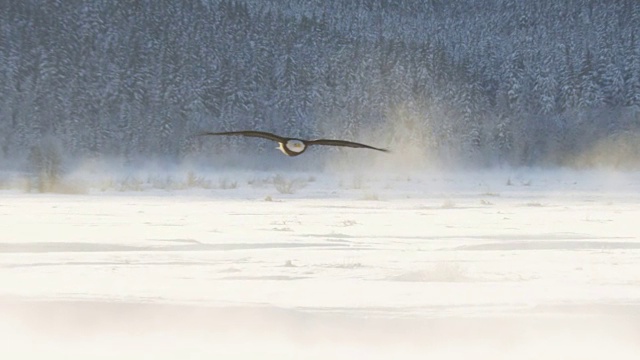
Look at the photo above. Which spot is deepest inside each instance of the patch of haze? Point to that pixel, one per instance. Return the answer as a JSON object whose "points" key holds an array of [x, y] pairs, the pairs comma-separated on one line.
{"points": [[108, 330], [405, 134], [376, 175], [114, 174], [618, 151]]}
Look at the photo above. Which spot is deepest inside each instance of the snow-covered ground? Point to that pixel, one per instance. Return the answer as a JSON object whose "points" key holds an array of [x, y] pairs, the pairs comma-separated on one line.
{"points": [[481, 265]]}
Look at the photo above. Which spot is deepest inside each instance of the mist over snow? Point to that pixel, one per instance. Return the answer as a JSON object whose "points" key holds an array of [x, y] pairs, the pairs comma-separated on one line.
{"points": [[503, 224]]}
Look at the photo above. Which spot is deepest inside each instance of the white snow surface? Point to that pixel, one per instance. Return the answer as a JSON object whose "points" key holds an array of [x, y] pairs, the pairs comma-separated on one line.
{"points": [[469, 265]]}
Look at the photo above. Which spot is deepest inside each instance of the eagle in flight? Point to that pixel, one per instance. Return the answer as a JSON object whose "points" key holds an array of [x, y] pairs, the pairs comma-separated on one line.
{"points": [[292, 146]]}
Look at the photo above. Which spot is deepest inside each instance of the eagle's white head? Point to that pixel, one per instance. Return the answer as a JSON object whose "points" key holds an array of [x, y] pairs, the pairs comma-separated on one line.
{"points": [[295, 145], [292, 147]]}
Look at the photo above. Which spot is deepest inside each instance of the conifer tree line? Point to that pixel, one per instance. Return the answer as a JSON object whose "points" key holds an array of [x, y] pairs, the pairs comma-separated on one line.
{"points": [[489, 81]]}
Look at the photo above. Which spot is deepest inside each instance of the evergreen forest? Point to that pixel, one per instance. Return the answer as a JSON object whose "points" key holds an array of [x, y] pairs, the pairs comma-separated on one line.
{"points": [[483, 82]]}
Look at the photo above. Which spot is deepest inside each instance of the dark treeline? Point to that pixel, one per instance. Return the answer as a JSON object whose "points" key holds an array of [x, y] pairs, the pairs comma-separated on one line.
{"points": [[487, 81]]}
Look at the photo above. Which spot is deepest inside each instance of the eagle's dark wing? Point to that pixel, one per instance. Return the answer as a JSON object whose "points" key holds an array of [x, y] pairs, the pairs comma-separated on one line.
{"points": [[342, 143], [260, 134]]}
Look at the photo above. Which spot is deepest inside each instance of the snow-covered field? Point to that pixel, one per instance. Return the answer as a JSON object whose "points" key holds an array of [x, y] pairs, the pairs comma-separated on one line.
{"points": [[485, 265]]}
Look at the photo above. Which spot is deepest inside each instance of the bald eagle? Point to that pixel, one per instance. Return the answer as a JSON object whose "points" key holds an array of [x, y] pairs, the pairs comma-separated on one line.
{"points": [[292, 146]]}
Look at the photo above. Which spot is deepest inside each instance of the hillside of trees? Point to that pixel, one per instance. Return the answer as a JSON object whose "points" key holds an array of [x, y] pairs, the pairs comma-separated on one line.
{"points": [[486, 82]]}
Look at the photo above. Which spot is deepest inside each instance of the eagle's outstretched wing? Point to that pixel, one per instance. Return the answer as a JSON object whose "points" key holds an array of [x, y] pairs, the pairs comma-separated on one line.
{"points": [[248, 133], [342, 143]]}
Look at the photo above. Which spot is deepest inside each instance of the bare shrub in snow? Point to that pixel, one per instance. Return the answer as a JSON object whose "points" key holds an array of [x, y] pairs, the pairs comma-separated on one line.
{"points": [[356, 183], [492, 194], [45, 165], [448, 204], [259, 182], [346, 223], [533, 204], [285, 186], [371, 196], [226, 184], [131, 184], [194, 181], [5, 182], [440, 272]]}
